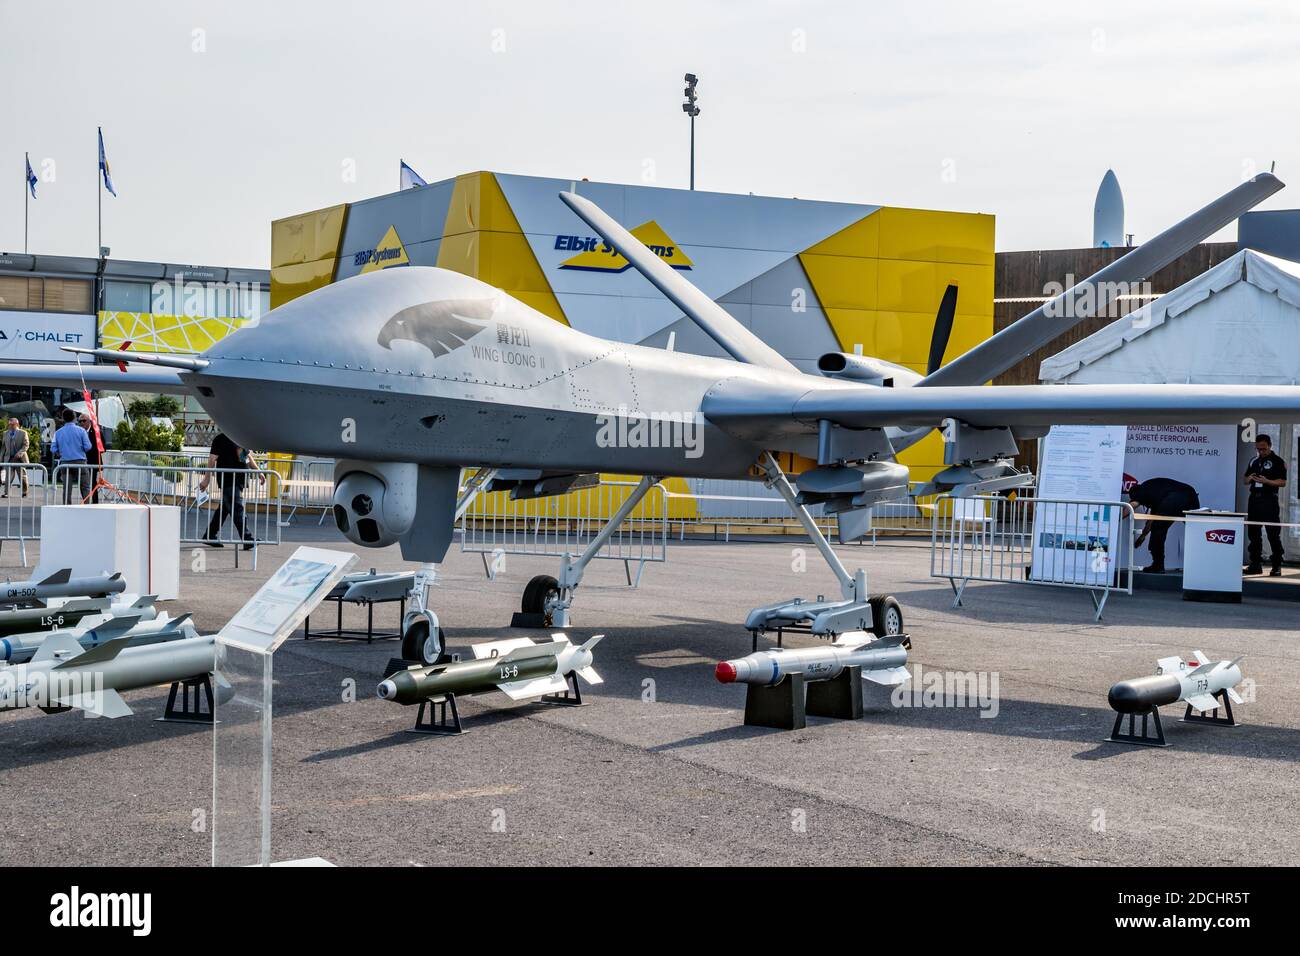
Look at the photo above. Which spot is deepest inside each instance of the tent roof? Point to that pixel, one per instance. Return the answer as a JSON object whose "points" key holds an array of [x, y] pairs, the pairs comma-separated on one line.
{"points": [[1278, 277]]}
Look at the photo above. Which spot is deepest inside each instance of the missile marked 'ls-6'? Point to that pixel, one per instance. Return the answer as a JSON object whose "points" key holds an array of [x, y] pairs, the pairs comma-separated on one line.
{"points": [[881, 661], [69, 613], [137, 628], [518, 667], [1205, 686]]}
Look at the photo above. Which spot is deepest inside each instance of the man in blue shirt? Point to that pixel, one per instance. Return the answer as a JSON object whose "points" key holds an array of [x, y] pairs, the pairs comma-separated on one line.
{"points": [[71, 445]]}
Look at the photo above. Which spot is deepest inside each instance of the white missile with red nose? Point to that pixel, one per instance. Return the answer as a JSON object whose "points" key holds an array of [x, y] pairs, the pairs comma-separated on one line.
{"points": [[881, 661]]}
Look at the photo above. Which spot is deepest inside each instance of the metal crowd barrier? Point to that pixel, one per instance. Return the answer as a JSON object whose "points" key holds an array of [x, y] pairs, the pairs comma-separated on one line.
{"points": [[303, 484], [189, 459], [23, 486], [494, 523], [1042, 541], [179, 485]]}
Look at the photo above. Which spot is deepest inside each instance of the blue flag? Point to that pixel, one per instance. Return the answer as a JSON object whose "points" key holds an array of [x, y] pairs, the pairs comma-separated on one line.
{"points": [[409, 177], [31, 177], [103, 164]]}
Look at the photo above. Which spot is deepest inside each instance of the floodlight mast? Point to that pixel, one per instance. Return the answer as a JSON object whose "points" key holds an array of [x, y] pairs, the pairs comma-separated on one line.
{"points": [[691, 110]]}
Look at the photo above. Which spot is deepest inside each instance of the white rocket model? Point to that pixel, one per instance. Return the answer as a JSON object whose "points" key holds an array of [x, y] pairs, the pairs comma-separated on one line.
{"points": [[881, 661], [1196, 681], [1108, 214], [62, 674]]}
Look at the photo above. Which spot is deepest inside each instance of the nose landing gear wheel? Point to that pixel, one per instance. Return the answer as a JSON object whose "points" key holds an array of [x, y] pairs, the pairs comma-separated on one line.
{"points": [[886, 616], [538, 591], [419, 644]]}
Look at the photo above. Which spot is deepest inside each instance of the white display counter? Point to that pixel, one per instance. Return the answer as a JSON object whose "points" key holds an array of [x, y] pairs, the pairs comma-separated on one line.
{"points": [[1212, 558], [140, 541]]}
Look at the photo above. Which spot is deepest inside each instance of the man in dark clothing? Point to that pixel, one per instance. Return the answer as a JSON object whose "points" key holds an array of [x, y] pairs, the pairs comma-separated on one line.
{"points": [[1165, 498], [92, 456], [225, 454], [1265, 474]]}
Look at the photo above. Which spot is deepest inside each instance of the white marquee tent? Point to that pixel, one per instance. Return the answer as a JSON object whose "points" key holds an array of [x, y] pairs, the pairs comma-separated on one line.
{"points": [[1237, 323]]}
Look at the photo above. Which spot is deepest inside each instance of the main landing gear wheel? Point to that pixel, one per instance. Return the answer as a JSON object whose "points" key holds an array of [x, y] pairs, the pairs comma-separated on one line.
{"points": [[886, 616], [539, 590], [418, 644]]}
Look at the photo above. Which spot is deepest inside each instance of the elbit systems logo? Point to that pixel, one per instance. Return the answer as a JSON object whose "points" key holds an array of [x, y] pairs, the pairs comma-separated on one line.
{"points": [[597, 256], [1221, 536], [389, 252]]}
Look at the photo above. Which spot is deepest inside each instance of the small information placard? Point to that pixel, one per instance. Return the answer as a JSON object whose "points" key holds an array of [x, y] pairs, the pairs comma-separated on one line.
{"points": [[276, 610]]}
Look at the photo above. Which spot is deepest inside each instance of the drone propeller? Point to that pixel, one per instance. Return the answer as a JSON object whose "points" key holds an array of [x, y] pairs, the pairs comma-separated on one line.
{"points": [[942, 329]]}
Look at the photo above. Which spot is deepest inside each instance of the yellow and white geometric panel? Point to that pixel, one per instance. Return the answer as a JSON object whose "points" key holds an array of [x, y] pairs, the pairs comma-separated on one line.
{"points": [[178, 334]]}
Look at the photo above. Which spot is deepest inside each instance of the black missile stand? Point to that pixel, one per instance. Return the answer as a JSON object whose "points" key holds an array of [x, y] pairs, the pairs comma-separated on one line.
{"points": [[780, 706], [1145, 738], [572, 697], [369, 635], [441, 726], [190, 713], [840, 697], [1194, 717]]}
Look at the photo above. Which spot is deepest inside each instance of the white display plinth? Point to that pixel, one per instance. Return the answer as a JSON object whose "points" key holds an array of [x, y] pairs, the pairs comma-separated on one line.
{"points": [[1212, 555], [140, 541]]}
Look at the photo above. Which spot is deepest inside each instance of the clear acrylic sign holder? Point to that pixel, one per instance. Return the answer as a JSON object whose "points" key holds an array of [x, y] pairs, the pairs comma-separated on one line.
{"points": [[241, 732]]}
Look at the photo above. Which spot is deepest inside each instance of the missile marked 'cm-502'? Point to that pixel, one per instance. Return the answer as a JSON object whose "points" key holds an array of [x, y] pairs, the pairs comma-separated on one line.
{"points": [[60, 584]]}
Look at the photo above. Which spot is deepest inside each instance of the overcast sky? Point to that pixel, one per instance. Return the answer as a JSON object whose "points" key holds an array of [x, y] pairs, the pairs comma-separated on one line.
{"points": [[221, 116]]}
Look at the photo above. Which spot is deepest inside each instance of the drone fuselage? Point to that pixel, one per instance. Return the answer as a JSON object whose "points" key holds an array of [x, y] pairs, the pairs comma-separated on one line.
{"points": [[428, 366]]}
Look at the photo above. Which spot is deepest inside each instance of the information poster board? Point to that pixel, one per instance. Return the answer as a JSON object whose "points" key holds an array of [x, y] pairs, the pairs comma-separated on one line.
{"points": [[1077, 543], [1203, 456]]}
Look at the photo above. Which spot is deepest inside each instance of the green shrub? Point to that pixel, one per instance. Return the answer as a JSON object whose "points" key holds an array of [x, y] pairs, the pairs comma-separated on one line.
{"points": [[160, 406], [144, 435]]}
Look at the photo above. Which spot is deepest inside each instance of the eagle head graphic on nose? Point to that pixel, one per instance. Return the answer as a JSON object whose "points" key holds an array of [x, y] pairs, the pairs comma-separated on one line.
{"points": [[439, 326]]}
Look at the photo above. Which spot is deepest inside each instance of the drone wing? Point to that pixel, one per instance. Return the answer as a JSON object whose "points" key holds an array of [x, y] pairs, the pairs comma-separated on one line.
{"points": [[716, 322], [764, 411]]}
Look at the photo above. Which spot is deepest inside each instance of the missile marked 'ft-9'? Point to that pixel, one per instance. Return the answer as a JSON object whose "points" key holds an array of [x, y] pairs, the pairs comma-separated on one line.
{"points": [[517, 667], [1204, 684], [1197, 681], [881, 661]]}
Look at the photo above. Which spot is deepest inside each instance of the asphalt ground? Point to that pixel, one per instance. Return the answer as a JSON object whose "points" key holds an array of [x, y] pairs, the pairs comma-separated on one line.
{"points": [[658, 768]]}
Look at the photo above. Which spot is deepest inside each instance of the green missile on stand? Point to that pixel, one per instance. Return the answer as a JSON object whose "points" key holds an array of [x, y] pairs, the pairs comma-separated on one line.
{"points": [[517, 667]]}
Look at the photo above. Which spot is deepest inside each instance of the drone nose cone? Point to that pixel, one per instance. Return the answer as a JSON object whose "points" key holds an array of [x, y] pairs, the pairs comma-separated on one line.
{"points": [[387, 690], [725, 672]]}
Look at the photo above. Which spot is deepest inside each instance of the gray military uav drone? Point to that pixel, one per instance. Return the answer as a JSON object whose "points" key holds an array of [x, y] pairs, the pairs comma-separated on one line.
{"points": [[405, 376]]}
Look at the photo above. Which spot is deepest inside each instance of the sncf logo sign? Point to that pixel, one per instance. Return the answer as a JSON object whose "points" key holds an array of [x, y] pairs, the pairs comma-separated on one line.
{"points": [[1221, 536]]}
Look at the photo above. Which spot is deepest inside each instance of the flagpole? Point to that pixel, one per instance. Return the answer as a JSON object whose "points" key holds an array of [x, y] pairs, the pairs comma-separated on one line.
{"points": [[99, 177], [27, 164]]}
